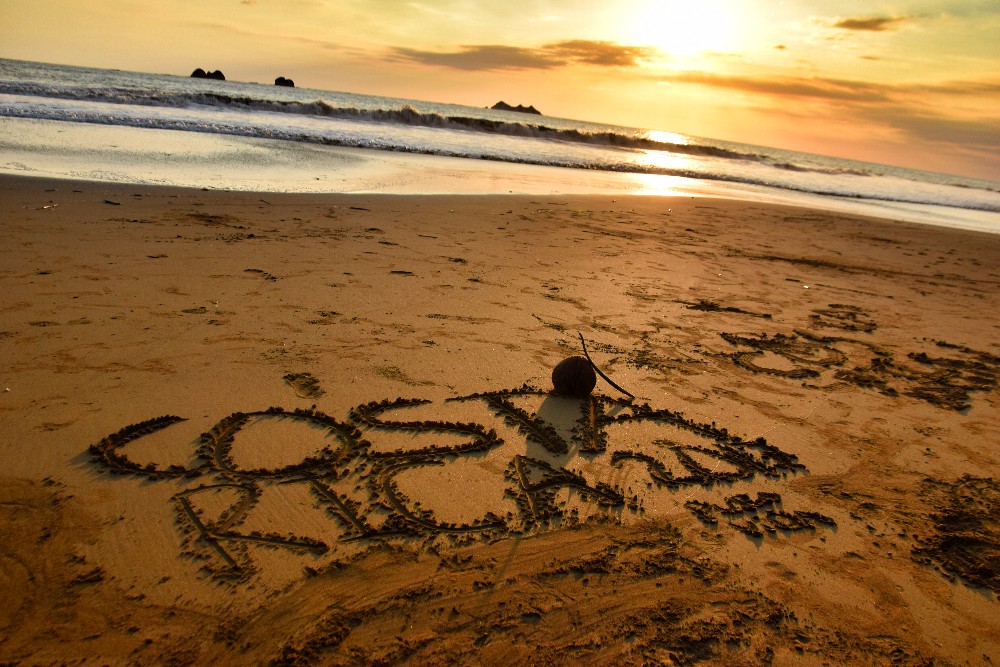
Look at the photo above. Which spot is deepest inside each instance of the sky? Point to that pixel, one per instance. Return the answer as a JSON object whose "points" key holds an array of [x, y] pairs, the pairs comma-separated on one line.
{"points": [[914, 83]]}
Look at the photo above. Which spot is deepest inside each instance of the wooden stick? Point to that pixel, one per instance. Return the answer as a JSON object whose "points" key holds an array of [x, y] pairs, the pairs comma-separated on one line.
{"points": [[598, 370]]}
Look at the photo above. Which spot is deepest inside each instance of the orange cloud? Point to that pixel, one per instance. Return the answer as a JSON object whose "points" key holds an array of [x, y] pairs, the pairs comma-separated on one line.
{"points": [[485, 57], [917, 111], [981, 133], [605, 54], [870, 23], [836, 89], [830, 89], [549, 56]]}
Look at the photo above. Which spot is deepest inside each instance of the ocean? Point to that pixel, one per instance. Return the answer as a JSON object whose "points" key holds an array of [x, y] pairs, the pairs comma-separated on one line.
{"points": [[112, 125]]}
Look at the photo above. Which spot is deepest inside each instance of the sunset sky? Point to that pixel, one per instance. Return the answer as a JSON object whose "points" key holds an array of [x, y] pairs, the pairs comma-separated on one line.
{"points": [[911, 82]]}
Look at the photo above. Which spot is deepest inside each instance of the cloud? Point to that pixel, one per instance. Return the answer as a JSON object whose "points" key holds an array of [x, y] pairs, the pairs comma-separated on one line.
{"points": [[262, 35], [487, 57], [838, 89], [915, 110], [817, 88], [549, 56], [971, 88], [605, 54], [870, 23], [975, 133]]}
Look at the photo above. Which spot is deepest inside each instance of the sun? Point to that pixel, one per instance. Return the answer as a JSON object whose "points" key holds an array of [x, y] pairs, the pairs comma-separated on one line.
{"points": [[685, 29]]}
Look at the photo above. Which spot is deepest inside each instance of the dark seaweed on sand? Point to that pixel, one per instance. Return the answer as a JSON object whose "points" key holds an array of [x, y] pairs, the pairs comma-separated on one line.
{"points": [[945, 382], [755, 517], [966, 538]]}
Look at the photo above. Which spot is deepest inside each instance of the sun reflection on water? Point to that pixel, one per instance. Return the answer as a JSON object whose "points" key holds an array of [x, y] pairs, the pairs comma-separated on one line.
{"points": [[665, 186], [663, 137], [668, 161]]}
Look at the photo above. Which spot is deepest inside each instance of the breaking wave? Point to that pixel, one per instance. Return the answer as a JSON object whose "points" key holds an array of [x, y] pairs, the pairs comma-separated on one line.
{"points": [[402, 115]]}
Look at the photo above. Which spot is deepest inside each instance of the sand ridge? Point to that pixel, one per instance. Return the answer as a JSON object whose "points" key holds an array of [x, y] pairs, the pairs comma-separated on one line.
{"points": [[317, 430]]}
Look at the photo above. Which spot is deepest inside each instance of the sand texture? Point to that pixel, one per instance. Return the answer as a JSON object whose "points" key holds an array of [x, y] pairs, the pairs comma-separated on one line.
{"points": [[305, 429]]}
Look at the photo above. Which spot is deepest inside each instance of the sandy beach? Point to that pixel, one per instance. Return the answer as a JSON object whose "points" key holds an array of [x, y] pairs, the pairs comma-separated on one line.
{"points": [[295, 429]]}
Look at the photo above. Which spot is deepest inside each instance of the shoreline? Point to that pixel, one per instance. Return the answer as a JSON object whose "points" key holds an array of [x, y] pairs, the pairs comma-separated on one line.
{"points": [[316, 428], [143, 156]]}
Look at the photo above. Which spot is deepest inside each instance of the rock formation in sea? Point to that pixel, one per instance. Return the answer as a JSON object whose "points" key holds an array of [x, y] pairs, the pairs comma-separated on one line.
{"points": [[202, 74], [503, 106], [282, 81]]}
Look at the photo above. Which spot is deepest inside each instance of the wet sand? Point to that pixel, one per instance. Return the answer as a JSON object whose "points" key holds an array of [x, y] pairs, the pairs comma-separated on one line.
{"points": [[318, 429]]}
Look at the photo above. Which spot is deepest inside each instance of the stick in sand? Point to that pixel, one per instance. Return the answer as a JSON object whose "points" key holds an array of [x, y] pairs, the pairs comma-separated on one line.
{"points": [[606, 378]]}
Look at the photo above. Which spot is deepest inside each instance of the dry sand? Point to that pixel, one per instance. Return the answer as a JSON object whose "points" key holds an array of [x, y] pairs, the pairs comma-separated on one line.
{"points": [[295, 429]]}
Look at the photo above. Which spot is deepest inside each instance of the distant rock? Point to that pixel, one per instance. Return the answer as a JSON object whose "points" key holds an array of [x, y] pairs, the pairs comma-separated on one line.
{"points": [[202, 74], [503, 106], [282, 81]]}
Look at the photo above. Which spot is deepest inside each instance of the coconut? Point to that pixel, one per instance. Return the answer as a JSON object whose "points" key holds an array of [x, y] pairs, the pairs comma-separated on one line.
{"points": [[574, 376]]}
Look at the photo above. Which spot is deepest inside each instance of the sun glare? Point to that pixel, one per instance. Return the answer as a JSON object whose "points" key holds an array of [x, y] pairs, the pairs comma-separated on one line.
{"points": [[684, 28], [668, 137]]}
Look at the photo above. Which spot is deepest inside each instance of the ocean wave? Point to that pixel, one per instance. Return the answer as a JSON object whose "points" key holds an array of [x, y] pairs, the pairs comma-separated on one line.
{"points": [[402, 115], [833, 188]]}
